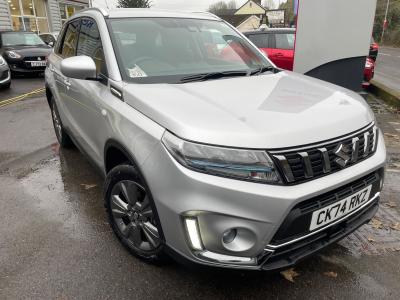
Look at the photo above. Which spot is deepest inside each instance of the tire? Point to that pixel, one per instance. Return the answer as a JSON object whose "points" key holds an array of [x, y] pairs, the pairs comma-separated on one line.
{"points": [[63, 138], [132, 214]]}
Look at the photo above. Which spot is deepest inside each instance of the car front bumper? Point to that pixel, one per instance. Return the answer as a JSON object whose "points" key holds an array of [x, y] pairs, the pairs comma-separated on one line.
{"points": [[5, 76], [256, 210], [20, 66]]}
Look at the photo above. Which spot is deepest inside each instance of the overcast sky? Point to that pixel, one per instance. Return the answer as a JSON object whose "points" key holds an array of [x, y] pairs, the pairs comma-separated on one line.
{"points": [[193, 5]]}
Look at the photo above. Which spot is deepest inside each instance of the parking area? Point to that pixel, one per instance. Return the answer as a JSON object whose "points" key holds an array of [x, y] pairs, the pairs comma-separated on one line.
{"points": [[388, 67], [55, 242]]}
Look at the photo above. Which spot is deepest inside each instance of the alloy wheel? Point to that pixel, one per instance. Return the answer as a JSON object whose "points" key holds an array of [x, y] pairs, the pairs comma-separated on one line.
{"points": [[57, 122], [133, 215]]}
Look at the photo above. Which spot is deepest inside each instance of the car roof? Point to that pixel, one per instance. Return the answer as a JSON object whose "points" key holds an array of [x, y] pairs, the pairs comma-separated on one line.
{"points": [[270, 30], [150, 13]]}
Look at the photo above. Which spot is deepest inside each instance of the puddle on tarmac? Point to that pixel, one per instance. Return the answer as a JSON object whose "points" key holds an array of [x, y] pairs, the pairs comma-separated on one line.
{"points": [[57, 188]]}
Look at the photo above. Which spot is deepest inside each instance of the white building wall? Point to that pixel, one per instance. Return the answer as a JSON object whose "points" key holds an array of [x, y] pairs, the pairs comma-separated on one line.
{"points": [[5, 19], [53, 14]]}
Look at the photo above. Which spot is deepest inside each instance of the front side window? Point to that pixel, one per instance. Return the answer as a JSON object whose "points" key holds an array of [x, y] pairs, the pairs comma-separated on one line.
{"points": [[166, 49], [68, 46], [284, 41], [89, 44], [20, 38]]}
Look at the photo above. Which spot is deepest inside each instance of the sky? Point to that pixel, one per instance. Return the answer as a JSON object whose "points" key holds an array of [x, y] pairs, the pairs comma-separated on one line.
{"points": [[192, 5]]}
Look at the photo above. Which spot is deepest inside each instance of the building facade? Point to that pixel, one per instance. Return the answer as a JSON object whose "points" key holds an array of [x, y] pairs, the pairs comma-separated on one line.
{"points": [[37, 15]]}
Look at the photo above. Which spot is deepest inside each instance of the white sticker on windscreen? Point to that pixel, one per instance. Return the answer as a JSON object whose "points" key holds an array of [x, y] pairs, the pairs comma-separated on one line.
{"points": [[136, 72]]}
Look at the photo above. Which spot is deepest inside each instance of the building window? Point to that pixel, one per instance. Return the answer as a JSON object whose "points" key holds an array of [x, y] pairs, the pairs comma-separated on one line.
{"points": [[29, 15], [67, 10]]}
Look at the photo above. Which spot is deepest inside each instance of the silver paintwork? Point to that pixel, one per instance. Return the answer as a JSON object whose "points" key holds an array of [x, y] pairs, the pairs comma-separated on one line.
{"points": [[78, 67], [269, 111]]}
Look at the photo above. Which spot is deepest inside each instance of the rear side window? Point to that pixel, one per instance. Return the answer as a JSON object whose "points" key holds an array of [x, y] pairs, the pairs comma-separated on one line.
{"points": [[68, 46], [89, 44], [284, 41], [260, 40]]}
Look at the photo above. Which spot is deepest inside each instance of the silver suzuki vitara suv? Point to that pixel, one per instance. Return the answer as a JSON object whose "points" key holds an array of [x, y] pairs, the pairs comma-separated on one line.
{"points": [[210, 153]]}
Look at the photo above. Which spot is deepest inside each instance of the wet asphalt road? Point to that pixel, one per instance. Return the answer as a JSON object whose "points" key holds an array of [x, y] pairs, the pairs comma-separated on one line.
{"points": [[387, 69], [55, 242]]}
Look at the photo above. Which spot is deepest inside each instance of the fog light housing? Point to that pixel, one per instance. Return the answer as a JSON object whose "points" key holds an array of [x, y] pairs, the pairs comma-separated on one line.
{"points": [[229, 235], [193, 233]]}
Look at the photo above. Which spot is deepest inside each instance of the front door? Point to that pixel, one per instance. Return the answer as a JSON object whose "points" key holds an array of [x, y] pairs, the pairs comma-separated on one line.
{"points": [[87, 96]]}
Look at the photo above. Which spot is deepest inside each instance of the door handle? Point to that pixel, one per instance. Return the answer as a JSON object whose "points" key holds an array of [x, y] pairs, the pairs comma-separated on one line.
{"points": [[278, 54]]}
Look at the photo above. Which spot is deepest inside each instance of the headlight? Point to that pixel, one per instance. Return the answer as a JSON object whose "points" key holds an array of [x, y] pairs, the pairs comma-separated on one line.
{"points": [[252, 165], [2, 61], [13, 54]]}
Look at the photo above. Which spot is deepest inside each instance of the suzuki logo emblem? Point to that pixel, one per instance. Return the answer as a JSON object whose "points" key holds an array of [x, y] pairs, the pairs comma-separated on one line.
{"points": [[39, 58], [343, 153]]}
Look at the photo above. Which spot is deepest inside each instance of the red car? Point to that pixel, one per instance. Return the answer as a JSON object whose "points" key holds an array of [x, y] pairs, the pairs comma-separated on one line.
{"points": [[278, 45], [368, 71], [373, 49]]}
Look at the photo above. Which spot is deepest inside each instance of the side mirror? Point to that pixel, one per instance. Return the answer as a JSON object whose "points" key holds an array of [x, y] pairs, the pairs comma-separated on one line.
{"points": [[79, 67], [51, 44]]}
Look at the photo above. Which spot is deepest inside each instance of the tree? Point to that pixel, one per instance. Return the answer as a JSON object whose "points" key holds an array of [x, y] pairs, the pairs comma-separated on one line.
{"points": [[269, 4], [218, 7], [134, 3], [231, 4], [289, 13], [392, 33]]}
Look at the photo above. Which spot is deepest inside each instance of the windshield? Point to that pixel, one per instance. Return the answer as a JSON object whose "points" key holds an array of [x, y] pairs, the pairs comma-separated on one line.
{"points": [[158, 50], [21, 38]]}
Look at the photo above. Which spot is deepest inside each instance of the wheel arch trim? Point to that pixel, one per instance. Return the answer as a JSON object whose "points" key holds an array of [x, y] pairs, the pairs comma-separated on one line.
{"points": [[111, 143]]}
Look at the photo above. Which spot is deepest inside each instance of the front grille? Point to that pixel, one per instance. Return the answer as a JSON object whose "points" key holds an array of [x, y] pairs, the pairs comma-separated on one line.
{"points": [[310, 162], [35, 58], [289, 255], [297, 222]]}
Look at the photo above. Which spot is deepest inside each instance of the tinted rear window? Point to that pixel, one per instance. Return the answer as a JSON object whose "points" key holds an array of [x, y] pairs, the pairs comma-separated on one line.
{"points": [[260, 40], [284, 41]]}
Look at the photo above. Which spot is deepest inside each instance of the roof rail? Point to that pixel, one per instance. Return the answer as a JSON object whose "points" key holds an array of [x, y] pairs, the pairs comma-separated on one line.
{"points": [[103, 11], [206, 13]]}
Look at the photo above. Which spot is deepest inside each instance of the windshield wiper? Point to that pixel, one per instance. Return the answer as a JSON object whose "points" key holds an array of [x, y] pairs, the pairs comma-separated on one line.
{"points": [[212, 75], [264, 69]]}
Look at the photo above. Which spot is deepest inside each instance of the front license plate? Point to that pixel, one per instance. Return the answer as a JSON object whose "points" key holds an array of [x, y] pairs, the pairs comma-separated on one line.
{"points": [[38, 63], [339, 209]]}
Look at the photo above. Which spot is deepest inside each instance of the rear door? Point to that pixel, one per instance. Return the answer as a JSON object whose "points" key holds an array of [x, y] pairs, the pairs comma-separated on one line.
{"points": [[282, 53]]}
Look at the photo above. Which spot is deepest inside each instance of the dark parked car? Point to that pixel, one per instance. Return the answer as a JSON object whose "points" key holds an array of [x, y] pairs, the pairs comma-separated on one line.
{"points": [[5, 78], [49, 38], [25, 52]]}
